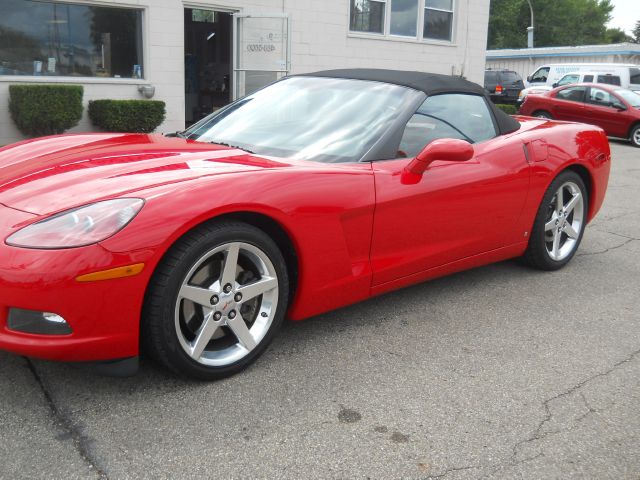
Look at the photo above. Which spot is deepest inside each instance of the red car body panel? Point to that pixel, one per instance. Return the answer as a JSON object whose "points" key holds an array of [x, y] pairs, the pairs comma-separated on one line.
{"points": [[617, 123], [457, 211], [356, 228]]}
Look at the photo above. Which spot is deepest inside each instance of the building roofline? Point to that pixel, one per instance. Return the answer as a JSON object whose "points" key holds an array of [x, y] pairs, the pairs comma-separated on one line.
{"points": [[581, 51]]}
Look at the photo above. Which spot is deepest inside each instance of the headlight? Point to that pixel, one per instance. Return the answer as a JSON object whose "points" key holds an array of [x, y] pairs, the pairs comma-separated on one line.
{"points": [[78, 227]]}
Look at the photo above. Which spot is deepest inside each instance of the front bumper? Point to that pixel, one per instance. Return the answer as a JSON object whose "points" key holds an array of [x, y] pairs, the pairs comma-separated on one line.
{"points": [[104, 316]]}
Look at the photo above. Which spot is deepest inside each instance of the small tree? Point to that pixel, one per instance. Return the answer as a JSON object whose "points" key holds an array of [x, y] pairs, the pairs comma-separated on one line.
{"points": [[39, 110], [616, 35], [134, 116], [636, 32]]}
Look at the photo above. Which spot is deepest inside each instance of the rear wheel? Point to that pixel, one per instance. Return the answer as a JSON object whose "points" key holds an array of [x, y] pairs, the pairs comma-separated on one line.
{"points": [[635, 136], [560, 223], [216, 301], [543, 114]]}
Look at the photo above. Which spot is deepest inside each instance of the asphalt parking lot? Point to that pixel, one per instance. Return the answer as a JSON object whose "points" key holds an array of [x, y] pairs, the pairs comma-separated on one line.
{"points": [[499, 372]]}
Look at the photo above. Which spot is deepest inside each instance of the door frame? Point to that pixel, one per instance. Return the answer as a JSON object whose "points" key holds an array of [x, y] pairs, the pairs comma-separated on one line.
{"points": [[234, 62], [223, 9]]}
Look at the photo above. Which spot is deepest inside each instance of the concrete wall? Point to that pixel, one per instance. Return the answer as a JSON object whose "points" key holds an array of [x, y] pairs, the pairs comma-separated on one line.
{"points": [[320, 40]]}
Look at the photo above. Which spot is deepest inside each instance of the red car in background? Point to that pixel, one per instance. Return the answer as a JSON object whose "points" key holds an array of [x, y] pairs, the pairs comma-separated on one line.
{"points": [[616, 110]]}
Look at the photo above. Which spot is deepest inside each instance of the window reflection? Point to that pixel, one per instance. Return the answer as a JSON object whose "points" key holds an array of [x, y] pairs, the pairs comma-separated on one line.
{"points": [[60, 39], [320, 119], [460, 116], [404, 18], [367, 16]]}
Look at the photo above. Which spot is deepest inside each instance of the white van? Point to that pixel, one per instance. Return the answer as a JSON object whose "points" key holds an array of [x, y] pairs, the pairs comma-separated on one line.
{"points": [[588, 77], [546, 76]]}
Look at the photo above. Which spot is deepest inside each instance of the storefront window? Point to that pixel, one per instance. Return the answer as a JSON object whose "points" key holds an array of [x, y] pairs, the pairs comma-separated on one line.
{"points": [[45, 38]]}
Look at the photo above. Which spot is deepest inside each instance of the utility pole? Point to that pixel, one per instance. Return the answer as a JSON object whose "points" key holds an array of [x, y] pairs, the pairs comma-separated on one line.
{"points": [[530, 29]]}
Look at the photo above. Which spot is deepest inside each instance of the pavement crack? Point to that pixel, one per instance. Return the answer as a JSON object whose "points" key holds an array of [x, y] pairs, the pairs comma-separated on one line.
{"points": [[589, 411], [452, 470], [538, 433], [80, 441], [628, 241], [616, 234], [616, 217]]}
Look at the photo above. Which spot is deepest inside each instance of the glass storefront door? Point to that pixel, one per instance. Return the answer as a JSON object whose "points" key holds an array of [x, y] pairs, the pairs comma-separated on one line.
{"points": [[262, 51]]}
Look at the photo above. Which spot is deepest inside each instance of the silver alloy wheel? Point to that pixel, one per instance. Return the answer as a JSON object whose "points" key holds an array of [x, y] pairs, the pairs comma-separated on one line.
{"points": [[226, 304], [636, 137], [564, 221]]}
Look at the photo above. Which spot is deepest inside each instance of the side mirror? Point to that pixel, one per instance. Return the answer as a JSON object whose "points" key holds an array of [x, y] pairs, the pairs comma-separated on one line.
{"points": [[555, 85], [619, 107], [444, 149], [529, 78]]}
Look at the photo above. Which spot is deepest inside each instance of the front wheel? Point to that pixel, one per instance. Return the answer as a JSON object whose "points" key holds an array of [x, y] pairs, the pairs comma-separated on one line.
{"points": [[543, 114], [559, 224], [216, 301], [635, 136]]}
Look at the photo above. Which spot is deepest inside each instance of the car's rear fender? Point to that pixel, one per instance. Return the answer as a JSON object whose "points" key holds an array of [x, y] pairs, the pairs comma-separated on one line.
{"points": [[582, 148]]}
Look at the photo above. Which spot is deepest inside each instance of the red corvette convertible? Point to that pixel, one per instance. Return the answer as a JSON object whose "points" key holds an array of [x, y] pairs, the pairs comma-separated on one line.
{"points": [[316, 192], [616, 110]]}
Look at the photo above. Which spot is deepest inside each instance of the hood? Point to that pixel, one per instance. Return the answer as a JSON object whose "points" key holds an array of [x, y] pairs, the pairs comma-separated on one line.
{"points": [[51, 174]]}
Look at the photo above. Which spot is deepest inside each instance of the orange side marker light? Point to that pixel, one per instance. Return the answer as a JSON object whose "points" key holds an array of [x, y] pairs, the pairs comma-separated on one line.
{"points": [[119, 272]]}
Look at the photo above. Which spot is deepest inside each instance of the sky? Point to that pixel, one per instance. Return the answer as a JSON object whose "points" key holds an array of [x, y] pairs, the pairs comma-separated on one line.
{"points": [[625, 14]]}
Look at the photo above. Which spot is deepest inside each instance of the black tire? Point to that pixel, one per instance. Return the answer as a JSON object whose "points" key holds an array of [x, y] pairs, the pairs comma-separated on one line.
{"points": [[159, 330], [542, 114], [634, 136], [537, 254]]}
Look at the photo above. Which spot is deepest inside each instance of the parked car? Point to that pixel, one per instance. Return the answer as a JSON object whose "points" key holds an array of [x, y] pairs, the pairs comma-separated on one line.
{"points": [[503, 86], [571, 78], [316, 192], [616, 110], [548, 77]]}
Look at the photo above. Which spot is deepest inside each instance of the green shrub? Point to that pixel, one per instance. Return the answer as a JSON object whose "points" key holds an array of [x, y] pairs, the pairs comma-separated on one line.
{"points": [[45, 109], [508, 109], [134, 116]]}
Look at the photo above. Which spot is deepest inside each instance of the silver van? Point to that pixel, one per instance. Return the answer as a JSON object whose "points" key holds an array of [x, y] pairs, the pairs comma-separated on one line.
{"points": [[547, 77]]}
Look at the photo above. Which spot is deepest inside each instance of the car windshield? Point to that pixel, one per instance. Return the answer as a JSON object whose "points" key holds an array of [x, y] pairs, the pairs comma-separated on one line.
{"points": [[630, 97], [309, 118]]}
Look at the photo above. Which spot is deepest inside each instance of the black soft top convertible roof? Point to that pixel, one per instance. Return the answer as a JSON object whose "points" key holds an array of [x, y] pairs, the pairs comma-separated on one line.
{"points": [[429, 83]]}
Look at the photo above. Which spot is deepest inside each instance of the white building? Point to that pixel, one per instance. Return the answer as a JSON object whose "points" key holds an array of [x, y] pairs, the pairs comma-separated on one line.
{"points": [[526, 60], [201, 54]]}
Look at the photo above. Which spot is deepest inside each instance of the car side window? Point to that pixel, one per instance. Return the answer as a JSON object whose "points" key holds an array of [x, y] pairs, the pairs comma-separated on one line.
{"points": [[588, 78], [460, 116], [573, 94], [597, 96], [567, 79], [540, 75], [609, 79]]}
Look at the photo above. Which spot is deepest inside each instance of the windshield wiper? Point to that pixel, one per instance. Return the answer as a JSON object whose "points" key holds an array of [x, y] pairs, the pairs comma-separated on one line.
{"points": [[177, 134], [231, 146]]}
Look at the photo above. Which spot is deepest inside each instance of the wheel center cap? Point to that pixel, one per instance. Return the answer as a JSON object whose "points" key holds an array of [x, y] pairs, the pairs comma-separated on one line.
{"points": [[227, 303]]}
